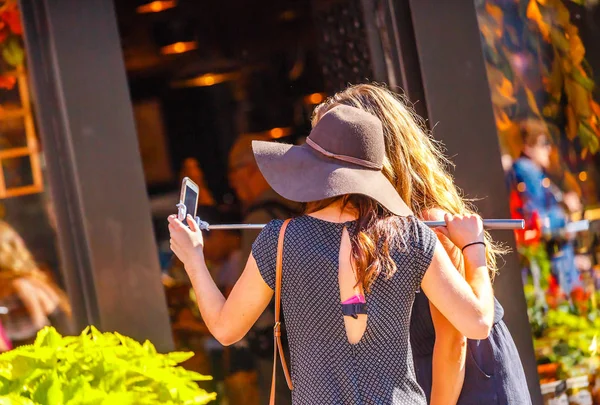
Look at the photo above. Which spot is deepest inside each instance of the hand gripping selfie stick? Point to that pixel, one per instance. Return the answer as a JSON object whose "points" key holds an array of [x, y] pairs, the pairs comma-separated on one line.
{"points": [[492, 224]]}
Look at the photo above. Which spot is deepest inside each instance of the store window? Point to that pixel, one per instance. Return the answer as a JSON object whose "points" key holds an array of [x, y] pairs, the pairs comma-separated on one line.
{"points": [[205, 82], [542, 59], [30, 271]]}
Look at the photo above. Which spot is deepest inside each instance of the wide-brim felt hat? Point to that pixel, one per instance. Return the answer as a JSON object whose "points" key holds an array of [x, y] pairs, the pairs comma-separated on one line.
{"points": [[344, 154]]}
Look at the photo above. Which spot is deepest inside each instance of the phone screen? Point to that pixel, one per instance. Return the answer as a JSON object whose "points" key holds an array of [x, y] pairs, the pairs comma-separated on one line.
{"points": [[190, 199]]}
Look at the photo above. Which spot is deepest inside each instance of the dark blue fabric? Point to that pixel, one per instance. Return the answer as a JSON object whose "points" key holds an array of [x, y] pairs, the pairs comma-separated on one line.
{"points": [[493, 370]]}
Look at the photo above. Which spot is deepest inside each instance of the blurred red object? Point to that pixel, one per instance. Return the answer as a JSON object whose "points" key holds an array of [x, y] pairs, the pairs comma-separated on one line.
{"points": [[554, 295], [579, 294], [7, 82], [4, 30], [532, 233], [12, 17]]}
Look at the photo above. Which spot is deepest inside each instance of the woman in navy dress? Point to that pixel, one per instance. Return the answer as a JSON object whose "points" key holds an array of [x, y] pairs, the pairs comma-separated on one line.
{"points": [[450, 368]]}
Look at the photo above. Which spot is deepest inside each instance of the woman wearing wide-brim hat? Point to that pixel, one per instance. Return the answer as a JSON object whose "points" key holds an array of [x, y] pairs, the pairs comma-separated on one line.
{"points": [[349, 268]]}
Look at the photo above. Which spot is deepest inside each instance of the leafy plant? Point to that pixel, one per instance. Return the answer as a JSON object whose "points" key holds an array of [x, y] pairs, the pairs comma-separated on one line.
{"points": [[526, 40], [568, 339], [96, 368]]}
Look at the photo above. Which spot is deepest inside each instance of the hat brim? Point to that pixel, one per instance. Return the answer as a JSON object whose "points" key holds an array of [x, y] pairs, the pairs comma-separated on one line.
{"points": [[301, 174]]}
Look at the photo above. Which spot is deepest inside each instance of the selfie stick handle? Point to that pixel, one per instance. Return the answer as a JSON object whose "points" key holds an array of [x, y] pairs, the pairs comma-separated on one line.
{"points": [[496, 224]]}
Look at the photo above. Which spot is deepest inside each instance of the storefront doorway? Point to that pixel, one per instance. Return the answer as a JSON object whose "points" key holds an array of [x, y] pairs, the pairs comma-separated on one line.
{"points": [[202, 78]]}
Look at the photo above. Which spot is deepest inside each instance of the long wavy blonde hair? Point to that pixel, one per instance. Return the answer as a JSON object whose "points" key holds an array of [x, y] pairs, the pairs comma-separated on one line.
{"points": [[16, 261], [415, 162]]}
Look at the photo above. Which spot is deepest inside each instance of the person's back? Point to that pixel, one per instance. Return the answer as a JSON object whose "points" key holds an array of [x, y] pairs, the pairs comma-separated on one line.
{"points": [[367, 359]]}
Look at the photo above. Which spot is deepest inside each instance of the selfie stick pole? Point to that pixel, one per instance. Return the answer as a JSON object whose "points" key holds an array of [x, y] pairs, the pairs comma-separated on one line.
{"points": [[496, 224]]}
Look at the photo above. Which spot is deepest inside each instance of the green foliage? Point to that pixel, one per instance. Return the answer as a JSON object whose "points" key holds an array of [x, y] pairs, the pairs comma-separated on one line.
{"points": [[539, 34], [567, 338], [96, 368], [13, 53]]}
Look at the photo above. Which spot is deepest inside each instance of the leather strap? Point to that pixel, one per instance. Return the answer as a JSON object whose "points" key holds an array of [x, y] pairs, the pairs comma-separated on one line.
{"points": [[277, 328]]}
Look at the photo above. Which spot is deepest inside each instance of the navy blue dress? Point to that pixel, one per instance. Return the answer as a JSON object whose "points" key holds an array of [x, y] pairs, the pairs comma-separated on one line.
{"points": [[493, 371]]}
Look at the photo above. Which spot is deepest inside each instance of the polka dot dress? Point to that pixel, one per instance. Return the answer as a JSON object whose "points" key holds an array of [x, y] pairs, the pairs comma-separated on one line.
{"points": [[325, 367]]}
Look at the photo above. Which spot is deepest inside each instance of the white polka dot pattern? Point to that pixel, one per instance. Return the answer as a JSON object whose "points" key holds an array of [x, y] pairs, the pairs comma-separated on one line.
{"points": [[325, 367]]}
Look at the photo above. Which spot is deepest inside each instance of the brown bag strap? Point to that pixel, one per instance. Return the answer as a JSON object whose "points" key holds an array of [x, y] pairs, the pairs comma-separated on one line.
{"points": [[277, 328]]}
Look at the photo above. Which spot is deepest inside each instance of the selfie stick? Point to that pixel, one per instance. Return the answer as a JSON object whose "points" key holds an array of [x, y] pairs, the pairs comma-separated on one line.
{"points": [[497, 224]]}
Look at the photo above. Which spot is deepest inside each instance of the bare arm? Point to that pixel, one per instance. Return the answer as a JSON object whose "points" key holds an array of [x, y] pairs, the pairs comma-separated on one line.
{"points": [[466, 302], [448, 361], [227, 319], [449, 351]]}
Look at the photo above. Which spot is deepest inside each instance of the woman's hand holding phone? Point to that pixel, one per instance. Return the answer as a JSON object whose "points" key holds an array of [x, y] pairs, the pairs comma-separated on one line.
{"points": [[186, 241]]}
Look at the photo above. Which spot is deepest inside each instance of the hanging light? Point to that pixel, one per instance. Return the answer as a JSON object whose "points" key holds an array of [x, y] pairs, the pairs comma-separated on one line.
{"points": [[175, 36], [277, 133], [314, 98], [288, 15], [179, 47], [208, 79], [273, 133], [155, 6]]}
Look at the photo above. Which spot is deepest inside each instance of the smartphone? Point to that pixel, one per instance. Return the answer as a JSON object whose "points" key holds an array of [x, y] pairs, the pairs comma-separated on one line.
{"points": [[189, 199]]}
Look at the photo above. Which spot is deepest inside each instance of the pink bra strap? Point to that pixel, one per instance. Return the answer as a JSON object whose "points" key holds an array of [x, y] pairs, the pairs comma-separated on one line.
{"points": [[356, 299]]}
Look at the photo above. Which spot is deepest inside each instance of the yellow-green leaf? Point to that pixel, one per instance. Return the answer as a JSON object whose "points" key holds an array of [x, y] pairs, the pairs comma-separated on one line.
{"points": [[16, 400], [582, 80], [13, 52], [180, 357], [588, 138]]}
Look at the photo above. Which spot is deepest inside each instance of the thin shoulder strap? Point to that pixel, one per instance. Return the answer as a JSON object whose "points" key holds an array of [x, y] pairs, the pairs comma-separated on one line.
{"points": [[277, 328]]}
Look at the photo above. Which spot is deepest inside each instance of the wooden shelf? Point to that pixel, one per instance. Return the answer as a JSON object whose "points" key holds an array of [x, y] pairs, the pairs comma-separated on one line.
{"points": [[15, 152], [31, 148], [19, 191]]}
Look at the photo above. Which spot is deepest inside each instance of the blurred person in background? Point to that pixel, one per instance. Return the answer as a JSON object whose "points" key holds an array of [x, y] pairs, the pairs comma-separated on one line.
{"points": [[544, 206], [260, 204], [29, 294]]}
